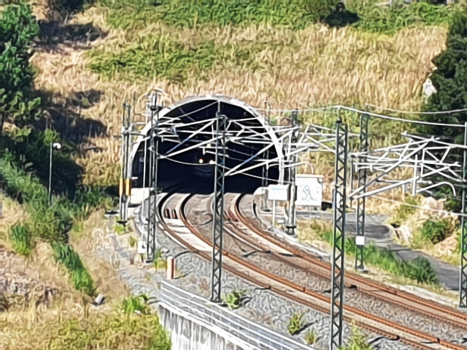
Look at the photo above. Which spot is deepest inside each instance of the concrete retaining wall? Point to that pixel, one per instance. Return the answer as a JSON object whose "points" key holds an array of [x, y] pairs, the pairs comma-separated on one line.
{"points": [[197, 324], [189, 335]]}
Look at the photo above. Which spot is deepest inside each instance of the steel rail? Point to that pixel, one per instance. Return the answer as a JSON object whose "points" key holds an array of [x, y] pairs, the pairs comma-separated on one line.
{"points": [[406, 335], [367, 286]]}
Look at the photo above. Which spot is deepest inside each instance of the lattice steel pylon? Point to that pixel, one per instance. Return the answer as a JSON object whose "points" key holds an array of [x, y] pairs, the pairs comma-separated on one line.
{"points": [[361, 210], [125, 167], [218, 208], [338, 267], [153, 171], [463, 267], [292, 178]]}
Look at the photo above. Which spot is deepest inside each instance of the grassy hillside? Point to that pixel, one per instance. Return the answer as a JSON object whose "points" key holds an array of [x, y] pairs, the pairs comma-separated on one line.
{"points": [[284, 52]]}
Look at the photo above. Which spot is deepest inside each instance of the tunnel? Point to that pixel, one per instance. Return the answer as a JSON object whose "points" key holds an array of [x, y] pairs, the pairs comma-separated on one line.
{"points": [[187, 157]]}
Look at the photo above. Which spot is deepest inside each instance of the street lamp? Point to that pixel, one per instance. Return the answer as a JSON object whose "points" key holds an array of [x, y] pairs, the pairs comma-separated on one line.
{"points": [[53, 145]]}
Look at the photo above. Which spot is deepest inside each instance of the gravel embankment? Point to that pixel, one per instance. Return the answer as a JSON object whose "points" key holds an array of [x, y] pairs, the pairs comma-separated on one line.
{"points": [[263, 306]]}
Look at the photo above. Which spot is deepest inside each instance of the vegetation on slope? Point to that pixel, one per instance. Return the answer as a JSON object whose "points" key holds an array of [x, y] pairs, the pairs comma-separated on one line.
{"points": [[66, 326], [294, 14], [24, 154], [418, 270]]}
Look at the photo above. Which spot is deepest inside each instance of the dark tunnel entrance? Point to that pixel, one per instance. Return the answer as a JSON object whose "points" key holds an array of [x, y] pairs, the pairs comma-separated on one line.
{"points": [[189, 166]]}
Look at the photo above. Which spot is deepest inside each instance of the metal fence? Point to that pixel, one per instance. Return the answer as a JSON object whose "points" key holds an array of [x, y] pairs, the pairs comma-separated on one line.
{"points": [[207, 313]]}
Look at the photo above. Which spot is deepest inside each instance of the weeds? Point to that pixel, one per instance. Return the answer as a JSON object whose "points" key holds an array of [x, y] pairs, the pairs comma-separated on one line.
{"points": [[435, 231], [21, 238], [358, 341], [390, 20], [295, 15], [80, 278], [159, 261], [136, 304], [406, 210], [296, 323], [132, 242], [132, 332], [120, 229], [234, 299], [311, 337], [50, 223], [162, 57]]}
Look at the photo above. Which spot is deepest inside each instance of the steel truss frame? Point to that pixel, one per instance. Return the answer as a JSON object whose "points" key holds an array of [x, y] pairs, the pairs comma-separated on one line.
{"points": [[124, 189], [426, 156], [361, 209], [151, 238], [292, 172], [218, 209], [463, 266], [338, 267]]}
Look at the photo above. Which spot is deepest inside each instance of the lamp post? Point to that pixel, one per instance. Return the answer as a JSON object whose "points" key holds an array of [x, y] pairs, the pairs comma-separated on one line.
{"points": [[53, 145]]}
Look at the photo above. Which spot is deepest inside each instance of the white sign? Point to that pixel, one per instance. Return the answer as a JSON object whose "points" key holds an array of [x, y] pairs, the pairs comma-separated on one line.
{"points": [[278, 193], [141, 247], [360, 240], [309, 190]]}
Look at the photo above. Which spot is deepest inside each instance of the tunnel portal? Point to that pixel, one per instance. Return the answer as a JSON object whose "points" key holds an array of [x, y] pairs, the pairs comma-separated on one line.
{"points": [[187, 158]]}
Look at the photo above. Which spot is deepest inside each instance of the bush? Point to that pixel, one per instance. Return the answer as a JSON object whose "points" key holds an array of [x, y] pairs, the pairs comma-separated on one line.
{"points": [[449, 79], [21, 238], [18, 27], [435, 231]]}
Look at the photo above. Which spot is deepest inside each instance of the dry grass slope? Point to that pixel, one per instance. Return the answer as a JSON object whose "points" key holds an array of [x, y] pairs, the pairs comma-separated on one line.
{"points": [[312, 67], [69, 321]]}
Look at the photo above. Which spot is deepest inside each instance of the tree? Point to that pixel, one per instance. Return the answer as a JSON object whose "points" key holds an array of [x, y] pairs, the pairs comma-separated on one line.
{"points": [[18, 28], [450, 81]]}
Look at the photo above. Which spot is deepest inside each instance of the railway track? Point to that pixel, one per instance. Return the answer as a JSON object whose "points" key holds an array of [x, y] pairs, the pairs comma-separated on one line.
{"points": [[247, 217], [177, 225]]}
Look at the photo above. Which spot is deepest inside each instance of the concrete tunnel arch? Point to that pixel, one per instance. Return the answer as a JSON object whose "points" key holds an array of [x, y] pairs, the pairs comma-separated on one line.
{"points": [[184, 173]]}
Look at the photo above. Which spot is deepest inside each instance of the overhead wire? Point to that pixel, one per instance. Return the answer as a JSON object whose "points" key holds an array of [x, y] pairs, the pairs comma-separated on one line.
{"points": [[418, 113]]}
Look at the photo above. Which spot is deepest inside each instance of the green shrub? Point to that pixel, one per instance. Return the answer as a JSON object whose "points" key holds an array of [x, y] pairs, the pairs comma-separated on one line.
{"points": [[296, 323], [435, 231], [21, 238], [234, 299]]}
